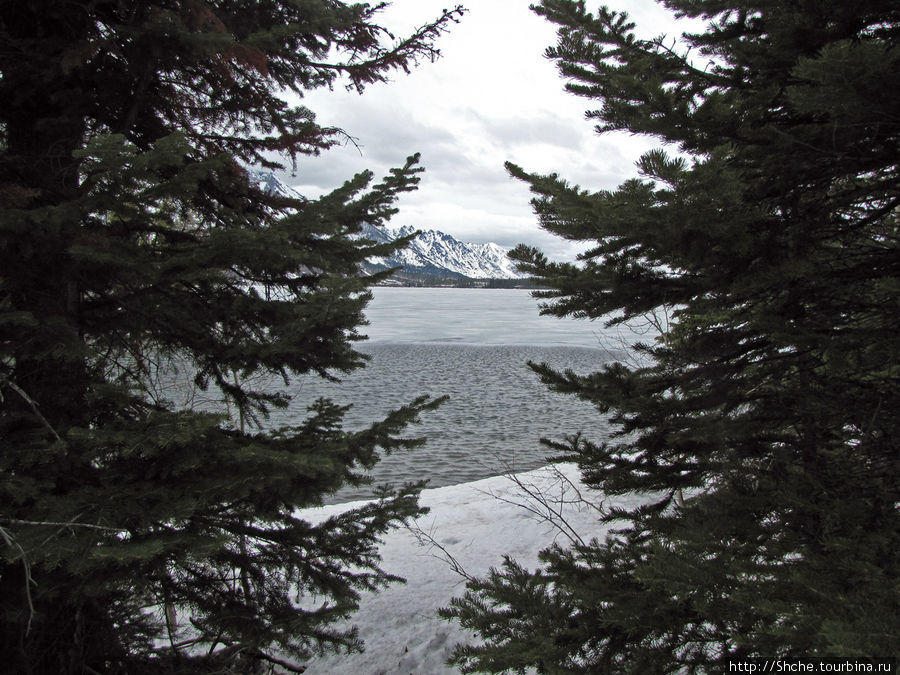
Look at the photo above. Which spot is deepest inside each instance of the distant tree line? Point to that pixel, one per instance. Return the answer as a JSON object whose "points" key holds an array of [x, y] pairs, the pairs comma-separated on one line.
{"points": [[428, 280]]}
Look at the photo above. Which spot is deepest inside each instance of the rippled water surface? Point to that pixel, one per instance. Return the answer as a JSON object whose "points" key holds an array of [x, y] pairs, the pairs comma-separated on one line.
{"points": [[475, 316], [473, 345]]}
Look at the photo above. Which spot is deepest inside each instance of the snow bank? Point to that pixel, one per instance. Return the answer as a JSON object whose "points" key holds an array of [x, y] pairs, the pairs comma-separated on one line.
{"points": [[471, 526]]}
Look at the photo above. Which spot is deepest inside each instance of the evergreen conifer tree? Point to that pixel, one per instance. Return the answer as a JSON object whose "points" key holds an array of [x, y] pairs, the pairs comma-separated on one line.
{"points": [[762, 423], [139, 533]]}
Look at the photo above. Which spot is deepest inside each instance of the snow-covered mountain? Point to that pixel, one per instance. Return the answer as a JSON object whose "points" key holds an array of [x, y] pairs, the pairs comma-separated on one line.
{"points": [[431, 254], [269, 182], [440, 254]]}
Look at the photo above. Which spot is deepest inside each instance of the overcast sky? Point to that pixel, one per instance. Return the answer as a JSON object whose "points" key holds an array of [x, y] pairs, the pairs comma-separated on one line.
{"points": [[491, 97]]}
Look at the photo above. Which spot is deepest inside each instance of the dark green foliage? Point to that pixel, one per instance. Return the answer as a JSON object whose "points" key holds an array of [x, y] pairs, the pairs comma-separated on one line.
{"points": [[761, 425], [154, 303]]}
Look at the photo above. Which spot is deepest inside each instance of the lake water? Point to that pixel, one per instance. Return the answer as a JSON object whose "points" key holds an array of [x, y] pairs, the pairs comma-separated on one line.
{"points": [[473, 345]]}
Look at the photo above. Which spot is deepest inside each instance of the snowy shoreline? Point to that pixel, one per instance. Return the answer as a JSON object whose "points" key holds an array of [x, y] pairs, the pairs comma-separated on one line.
{"points": [[475, 524]]}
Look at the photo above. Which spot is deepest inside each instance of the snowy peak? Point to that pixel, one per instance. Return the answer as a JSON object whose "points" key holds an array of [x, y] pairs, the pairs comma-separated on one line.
{"points": [[268, 182], [432, 253], [436, 253]]}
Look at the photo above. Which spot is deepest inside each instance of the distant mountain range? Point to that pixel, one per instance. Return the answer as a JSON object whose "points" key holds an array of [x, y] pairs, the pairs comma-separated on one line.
{"points": [[430, 257], [439, 254]]}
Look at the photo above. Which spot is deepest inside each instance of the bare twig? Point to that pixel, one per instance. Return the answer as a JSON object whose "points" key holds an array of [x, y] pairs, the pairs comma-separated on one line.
{"points": [[426, 539], [32, 404], [12, 543], [278, 662], [48, 523], [550, 508]]}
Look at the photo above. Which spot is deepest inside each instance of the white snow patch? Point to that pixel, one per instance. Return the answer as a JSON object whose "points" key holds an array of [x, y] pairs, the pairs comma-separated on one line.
{"points": [[475, 523]]}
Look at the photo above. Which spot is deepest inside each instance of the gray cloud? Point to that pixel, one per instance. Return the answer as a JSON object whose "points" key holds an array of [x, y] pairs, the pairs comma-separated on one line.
{"points": [[539, 128], [491, 98]]}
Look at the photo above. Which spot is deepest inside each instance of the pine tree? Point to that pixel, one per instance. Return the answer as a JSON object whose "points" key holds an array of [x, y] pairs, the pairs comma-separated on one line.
{"points": [[761, 425], [138, 263]]}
